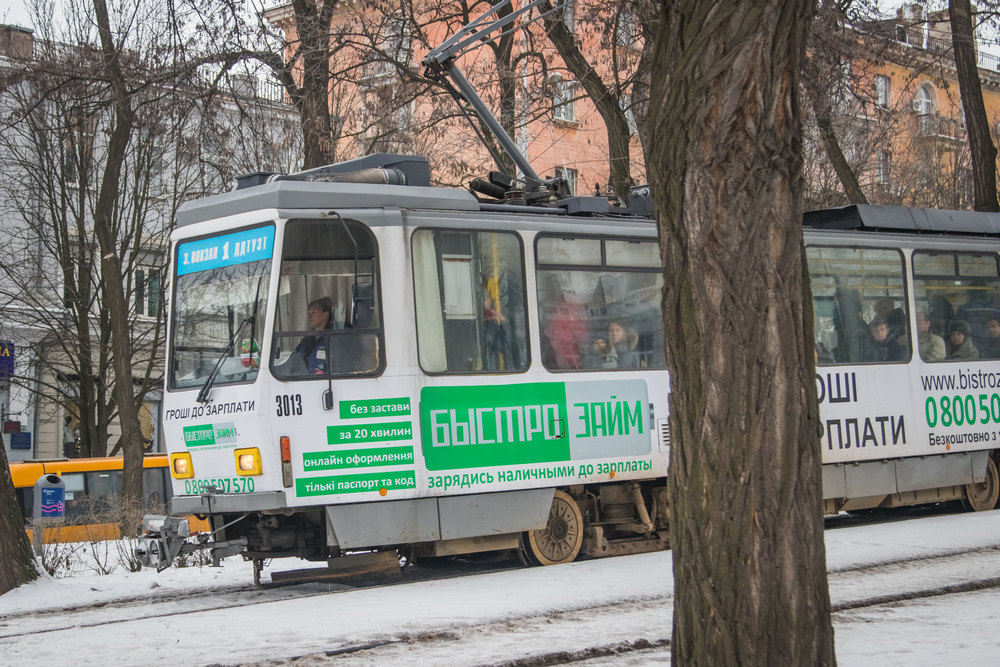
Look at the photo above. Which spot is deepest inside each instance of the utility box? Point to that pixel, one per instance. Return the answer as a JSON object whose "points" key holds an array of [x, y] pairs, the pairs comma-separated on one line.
{"points": [[50, 497]]}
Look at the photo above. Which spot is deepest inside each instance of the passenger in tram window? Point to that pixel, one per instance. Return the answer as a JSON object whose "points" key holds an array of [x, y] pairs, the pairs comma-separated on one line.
{"points": [[882, 347], [563, 326], [977, 309], [941, 313], [885, 309], [931, 346], [960, 341], [617, 349], [313, 348], [498, 351], [851, 329], [989, 347]]}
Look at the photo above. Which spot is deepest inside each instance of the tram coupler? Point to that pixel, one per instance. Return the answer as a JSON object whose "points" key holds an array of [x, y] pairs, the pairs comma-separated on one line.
{"points": [[169, 536]]}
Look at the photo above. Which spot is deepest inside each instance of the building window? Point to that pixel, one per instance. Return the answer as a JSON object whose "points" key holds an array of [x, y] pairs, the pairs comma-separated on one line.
{"points": [[883, 91], [883, 166], [78, 148], [569, 175], [393, 48], [923, 103], [565, 11], [562, 100], [148, 288], [626, 29], [626, 104]]}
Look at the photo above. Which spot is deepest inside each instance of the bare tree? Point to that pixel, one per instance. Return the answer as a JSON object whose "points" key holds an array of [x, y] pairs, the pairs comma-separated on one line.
{"points": [[607, 98], [746, 525], [91, 145], [17, 564], [984, 153], [823, 70]]}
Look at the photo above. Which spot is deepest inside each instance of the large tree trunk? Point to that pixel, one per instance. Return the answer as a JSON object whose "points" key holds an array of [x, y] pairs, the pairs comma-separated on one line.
{"points": [[17, 564], [984, 153], [725, 165]]}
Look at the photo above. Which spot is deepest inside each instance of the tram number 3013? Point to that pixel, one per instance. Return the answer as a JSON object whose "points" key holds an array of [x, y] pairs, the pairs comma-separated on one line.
{"points": [[289, 405]]}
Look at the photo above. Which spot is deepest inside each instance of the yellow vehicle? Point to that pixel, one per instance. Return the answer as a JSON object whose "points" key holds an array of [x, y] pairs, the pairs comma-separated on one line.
{"points": [[93, 493]]}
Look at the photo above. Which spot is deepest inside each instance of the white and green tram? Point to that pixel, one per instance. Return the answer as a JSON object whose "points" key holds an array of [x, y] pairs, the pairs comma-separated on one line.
{"points": [[388, 366], [484, 376], [913, 416]]}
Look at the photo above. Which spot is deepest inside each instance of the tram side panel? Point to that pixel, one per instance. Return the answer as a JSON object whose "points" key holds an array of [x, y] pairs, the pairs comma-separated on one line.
{"points": [[410, 457], [897, 428]]}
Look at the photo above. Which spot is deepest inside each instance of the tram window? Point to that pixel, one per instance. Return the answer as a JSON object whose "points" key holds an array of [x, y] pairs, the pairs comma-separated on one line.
{"points": [[218, 309], [959, 295], [633, 253], [328, 319], [569, 251], [470, 303], [859, 305], [603, 313]]}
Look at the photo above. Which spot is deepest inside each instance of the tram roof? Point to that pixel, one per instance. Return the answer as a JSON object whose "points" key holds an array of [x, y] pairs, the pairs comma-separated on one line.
{"points": [[864, 217], [317, 195]]}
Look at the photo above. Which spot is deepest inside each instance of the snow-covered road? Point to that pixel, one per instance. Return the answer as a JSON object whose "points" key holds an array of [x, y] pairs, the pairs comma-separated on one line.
{"points": [[917, 592]]}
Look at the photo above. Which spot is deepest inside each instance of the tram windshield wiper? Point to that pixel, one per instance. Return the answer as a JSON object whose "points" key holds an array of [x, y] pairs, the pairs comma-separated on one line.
{"points": [[251, 319], [207, 387]]}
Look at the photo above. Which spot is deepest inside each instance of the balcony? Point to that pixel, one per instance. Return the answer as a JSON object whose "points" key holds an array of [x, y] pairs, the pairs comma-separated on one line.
{"points": [[932, 126]]}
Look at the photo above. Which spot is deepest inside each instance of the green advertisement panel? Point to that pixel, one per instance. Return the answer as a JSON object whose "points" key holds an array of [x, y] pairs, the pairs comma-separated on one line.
{"points": [[357, 458], [542, 422], [347, 435], [473, 427], [379, 407], [209, 434], [322, 486]]}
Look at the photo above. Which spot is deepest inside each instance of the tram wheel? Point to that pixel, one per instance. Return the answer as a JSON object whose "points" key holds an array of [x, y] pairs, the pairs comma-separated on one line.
{"points": [[982, 497], [560, 540]]}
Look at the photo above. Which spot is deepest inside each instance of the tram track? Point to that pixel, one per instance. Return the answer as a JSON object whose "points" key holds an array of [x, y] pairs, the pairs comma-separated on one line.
{"points": [[218, 598], [851, 589], [647, 620]]}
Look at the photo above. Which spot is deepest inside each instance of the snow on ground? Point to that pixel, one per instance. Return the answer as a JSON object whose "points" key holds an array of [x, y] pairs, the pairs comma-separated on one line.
{"points": [[513, 614]]}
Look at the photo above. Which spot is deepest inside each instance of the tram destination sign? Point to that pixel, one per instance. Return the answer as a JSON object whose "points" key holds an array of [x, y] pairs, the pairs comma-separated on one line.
{"points": [[541, 422], [241, 247]]}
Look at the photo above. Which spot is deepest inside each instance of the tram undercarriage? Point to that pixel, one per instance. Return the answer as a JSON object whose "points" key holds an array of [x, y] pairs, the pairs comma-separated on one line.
{"points": [[582, 521]]}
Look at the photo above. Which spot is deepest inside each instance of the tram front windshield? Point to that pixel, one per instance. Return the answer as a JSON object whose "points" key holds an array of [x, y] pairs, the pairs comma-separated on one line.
{"points": [[220, 301]]}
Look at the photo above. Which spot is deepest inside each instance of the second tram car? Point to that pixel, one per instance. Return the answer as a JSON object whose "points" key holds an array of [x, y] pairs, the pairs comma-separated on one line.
{"points": [[361, 366]]}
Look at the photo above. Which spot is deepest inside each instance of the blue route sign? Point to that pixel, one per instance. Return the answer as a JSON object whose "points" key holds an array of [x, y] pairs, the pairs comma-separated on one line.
{"points": [[20, 440], [6, 359]]}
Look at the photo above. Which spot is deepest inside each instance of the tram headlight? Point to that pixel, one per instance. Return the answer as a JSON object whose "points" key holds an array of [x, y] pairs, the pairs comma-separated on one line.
{"points": [[181, 466], [248, 461]]}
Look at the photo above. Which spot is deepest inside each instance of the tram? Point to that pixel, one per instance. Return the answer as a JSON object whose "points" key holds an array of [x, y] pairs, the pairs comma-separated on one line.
{"points": [[358, 366], [359, 362], [906, 305], [354, 366]]}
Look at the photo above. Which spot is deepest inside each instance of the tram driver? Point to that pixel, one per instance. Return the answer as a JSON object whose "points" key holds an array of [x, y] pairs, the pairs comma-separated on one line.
{"points": [[313, 348]]}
